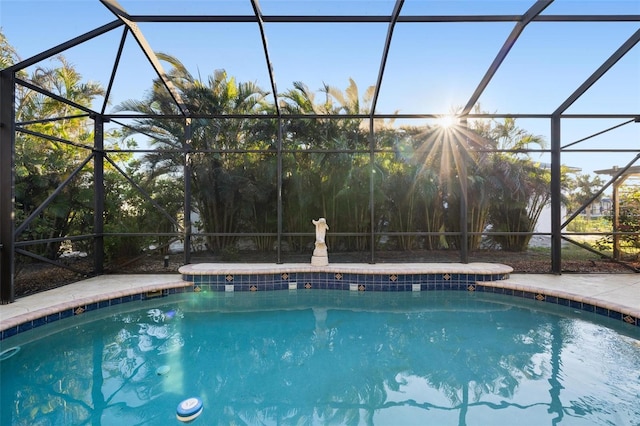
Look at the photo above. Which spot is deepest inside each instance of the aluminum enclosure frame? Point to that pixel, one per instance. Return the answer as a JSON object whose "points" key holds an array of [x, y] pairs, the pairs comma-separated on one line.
{"points": [[128, 24]]}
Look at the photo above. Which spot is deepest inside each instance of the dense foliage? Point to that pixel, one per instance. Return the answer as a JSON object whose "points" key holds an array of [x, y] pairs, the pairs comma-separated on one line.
{"points": [[410, 186], [627, 224]]}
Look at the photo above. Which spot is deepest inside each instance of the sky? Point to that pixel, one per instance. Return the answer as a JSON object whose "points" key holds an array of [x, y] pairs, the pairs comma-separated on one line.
{"points": [[431, 68]]}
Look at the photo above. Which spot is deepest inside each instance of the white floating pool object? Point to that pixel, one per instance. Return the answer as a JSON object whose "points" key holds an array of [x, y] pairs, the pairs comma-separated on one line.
{"points": [[162, 370], [6, 354], [189, 409]]}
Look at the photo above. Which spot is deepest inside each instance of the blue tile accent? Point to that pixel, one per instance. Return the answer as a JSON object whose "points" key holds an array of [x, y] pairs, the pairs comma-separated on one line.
{"points": [[56, 316], [11, 331], [615, 315], [321, 280], [602, 311], [26, 326]]}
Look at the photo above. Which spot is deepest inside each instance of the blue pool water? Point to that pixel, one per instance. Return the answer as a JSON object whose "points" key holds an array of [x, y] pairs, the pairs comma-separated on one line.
{"points": [[326, 357]]}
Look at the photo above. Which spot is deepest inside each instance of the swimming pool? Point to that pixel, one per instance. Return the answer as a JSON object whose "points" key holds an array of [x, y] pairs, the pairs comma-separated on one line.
{"points": [[326, 357]]}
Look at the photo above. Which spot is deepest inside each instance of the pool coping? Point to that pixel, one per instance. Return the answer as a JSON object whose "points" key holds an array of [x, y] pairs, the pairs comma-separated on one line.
{"points": [[354, 268], [625, 313], [619, 301], [83, 296]]}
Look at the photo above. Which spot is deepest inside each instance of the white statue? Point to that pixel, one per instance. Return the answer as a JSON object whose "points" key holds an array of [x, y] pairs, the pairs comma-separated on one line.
{"points": [[321, 229], [320, 256]]}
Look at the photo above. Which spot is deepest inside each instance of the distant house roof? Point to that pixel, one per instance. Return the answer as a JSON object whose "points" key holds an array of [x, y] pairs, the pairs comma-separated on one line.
{"points": [[634, 170], [569, 168]]}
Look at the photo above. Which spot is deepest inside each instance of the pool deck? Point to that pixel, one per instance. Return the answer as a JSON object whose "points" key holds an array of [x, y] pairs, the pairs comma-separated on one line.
{"points": [[616, 292]]}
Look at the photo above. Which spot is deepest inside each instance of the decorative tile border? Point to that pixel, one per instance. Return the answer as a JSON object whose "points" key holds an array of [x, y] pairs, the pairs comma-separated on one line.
{"points": [[558, 297], [226, 281], [30, 320], [231, 271], [338, 281], [491, 278]]}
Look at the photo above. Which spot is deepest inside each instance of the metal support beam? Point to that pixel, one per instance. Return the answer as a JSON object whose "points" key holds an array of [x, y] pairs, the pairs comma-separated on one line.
{"points": [[616, 221], [280, 211], [52, 138], [381, 19], [597, 195], [98, 196], [556, 198], [529, 15], [263, 36], [36, 213], [372, 136], [54, 96], [64, 46], [119, 11], [556, 148], [274, 88], [343, 116], [618, 177], [187, 171], [112, 78], [385, 53], [142, 191], [7, 200], [464, 203], [464, 225], [598, 133], [602, 69], [372, 188]]}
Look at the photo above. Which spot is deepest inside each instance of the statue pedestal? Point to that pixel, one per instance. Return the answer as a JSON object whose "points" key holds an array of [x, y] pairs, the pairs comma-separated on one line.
{"points": [[320, 256]]}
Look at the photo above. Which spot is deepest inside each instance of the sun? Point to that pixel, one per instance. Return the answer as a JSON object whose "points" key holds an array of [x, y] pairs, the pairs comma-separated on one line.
{"points": [[446, 121]]}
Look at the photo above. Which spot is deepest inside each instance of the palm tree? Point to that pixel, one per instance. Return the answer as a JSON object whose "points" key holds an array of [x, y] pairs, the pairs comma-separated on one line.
{"points": [[225, 185], [453, 157], [412, 189], [332, 185], [43, 164], [8, 54], [584, 187], [520, 185]]}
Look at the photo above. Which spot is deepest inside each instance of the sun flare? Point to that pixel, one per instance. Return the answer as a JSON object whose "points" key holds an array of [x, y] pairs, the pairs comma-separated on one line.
{"points": [[446, 121]]}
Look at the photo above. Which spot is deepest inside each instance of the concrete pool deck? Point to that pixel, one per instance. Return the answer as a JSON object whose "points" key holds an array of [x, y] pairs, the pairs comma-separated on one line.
{"points": [[615, 292]]}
